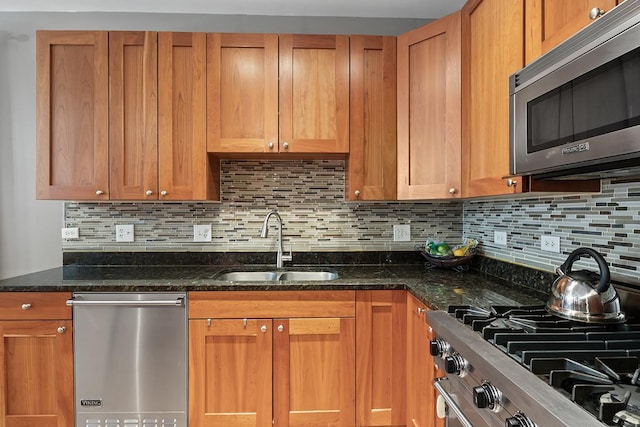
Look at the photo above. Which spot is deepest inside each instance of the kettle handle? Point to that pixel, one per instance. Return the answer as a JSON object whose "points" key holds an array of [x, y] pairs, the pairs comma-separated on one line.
{"points": [[602, 264]]}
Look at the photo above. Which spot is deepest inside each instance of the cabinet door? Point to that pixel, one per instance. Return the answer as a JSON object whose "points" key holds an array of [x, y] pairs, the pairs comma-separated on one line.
{"points": [[36, 373], [429, 111], [242, 93], [549, 22], [230, 373], [381, 318], [133, 115], [314, 93], [314, 372], [372, 146], [421, 395], [492, 49], [182, 152], [72, 115]]}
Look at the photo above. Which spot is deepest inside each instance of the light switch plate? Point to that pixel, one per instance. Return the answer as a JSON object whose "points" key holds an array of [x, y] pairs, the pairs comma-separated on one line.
{"points": [[124, 233], [401, 232], [70, 233], [202, 233]]}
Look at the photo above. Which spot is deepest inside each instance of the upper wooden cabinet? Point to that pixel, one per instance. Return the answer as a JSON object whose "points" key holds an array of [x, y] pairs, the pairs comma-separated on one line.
{"points": [[72, 121], [278, 94], [371, 166], [121, 116], [550, 22], [133, 115], [182, 126], [429, 111], [492, 49], [242, 93]]}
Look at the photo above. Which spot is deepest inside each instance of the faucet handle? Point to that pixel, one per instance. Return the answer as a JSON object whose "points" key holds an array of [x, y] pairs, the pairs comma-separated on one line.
{"points": [[289, 257]]}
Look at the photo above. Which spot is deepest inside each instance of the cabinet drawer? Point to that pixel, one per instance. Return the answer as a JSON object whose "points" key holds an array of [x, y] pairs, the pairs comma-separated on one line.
{"points": [[34, 305], [268, 304]]}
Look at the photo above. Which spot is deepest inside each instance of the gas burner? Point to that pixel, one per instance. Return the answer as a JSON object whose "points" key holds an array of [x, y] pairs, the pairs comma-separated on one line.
{"points": [[594, 365]]}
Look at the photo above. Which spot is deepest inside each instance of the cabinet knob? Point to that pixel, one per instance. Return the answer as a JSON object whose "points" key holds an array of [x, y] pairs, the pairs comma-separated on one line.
{"points": [[285, 145], [512, 182], [452, 190], [148, 193], [263, 328], [357, 193], [596, 12], [270, 145], [99, 192], [280, 328], [421, 310], [61, 329], [163, 193], [25, 306]]}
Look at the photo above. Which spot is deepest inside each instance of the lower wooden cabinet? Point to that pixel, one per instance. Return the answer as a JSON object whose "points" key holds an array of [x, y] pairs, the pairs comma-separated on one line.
{"points": [[381, 358], [292, 367], [421, 396], [309, 358], [36, 360]]}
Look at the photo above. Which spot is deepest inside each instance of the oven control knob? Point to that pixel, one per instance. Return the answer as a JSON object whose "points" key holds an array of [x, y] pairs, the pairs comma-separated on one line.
{"points": [[487, 396], [519, 420], [455, 364], [440, 348]]}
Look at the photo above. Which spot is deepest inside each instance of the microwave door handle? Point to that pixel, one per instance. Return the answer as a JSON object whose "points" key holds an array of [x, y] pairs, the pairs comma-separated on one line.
{"points": [[450, 402]]}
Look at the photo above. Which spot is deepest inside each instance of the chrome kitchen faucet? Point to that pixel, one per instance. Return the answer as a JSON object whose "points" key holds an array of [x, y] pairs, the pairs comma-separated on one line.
{"points": [[264, 231]]}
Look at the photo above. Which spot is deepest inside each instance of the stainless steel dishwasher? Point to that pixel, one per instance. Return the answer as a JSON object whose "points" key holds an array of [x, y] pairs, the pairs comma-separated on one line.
{"points": [[130, 359]]}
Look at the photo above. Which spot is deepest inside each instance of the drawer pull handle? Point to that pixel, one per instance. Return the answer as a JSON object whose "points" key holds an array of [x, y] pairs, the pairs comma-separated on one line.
{"points": [[280, 328], [263, 328], [26, 306], [61, 329]]}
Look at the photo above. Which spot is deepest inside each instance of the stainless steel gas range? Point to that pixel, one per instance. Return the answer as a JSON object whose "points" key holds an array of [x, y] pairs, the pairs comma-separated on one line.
{"points": [[520, 366]]}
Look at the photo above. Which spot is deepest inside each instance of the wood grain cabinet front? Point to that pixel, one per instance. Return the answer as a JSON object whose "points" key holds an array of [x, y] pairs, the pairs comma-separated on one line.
{"points": [[121, 116], [292, 367], [421, 395], [372, 162], [550, 22], [270, 93], [36, 360], [381, 368], [429, 111]]}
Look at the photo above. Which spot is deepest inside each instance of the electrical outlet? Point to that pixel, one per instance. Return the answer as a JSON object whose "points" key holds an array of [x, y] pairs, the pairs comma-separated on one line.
{"points": [[401, 232], [500, 238], [124, 233], [202, 233], [70, 233], [550, 244]]}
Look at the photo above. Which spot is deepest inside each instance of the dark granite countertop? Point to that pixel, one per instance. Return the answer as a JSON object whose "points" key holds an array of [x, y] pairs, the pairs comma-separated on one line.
{"points": [[437, 288]]}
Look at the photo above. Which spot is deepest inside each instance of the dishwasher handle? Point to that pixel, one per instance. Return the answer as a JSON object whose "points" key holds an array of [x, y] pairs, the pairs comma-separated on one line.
{"points": [[178, 302], [452, 403]]}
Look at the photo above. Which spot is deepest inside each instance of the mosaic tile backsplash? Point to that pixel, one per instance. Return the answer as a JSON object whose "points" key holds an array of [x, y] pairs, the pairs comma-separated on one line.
{"points": [[608, 222], [310, 197]]}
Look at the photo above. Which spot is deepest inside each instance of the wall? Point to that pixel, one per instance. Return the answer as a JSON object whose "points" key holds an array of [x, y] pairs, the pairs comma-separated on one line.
{"points": [[309, 195], [30, 229]]}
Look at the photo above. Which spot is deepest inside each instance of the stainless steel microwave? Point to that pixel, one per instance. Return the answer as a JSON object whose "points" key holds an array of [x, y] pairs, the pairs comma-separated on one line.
{"points": [[575, 111]]}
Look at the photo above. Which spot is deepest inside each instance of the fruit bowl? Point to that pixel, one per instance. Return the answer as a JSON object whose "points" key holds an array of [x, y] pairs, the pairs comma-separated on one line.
{"points": [[439, 254]]}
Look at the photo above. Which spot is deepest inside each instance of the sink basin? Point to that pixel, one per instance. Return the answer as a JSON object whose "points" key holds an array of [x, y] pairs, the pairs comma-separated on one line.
{"points": [[275, 276], [248, 276], [304, 276]]}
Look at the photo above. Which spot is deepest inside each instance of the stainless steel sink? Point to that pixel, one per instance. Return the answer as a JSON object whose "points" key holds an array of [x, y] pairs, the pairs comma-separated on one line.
{"points": [[276, 276]]}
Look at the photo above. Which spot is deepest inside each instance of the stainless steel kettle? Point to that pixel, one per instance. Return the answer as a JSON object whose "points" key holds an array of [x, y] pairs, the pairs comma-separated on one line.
{"points": [[583, 295]]}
